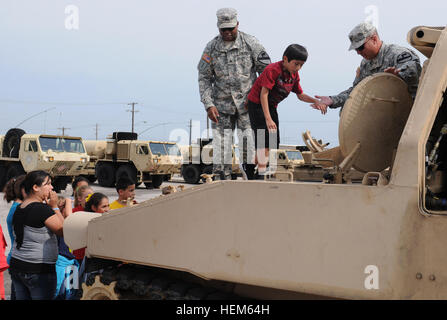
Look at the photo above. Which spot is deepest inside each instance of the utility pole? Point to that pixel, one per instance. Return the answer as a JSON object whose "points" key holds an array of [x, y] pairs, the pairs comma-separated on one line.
{"points": [[190, 131], [63, 130], [133, 113], [96, 131]]}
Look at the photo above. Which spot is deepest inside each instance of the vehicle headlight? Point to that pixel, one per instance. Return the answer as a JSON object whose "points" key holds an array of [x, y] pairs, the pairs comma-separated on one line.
{"points": [[49, 158], [83, 160]]}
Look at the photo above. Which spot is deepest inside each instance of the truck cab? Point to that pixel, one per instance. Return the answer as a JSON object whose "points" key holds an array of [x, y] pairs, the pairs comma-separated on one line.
{"points": [[63, 157]]}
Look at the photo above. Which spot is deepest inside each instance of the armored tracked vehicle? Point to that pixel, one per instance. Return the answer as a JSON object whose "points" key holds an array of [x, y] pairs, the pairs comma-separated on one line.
{"points": [[381, 239], [62, 157]]}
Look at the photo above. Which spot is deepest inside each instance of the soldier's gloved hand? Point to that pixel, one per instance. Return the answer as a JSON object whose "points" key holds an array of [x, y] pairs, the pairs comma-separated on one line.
{"points": [[325, 100], [213, 114], [392, 70]]}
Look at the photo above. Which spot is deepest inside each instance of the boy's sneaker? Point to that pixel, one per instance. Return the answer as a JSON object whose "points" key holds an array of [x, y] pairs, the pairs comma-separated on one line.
{"points": [[259, 176]]}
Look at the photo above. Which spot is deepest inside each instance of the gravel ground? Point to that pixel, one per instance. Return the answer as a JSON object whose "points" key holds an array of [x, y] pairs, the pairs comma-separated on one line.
{"points": [[142, 194]]}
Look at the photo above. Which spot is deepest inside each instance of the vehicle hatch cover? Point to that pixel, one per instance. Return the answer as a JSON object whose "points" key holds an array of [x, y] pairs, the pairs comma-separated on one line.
{"points": [[375, 115]]}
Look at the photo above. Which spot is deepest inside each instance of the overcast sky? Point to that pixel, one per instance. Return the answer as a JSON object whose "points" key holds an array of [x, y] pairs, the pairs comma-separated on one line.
{"points": [[147, 52]]}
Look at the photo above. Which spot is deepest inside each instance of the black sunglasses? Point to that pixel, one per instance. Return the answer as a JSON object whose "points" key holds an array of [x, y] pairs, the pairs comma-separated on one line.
{"points": [[227, 29], [361, 47]]}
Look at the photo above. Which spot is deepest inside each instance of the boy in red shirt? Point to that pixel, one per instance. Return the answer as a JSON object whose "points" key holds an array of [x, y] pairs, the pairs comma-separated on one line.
{"points": [[270, 88]]}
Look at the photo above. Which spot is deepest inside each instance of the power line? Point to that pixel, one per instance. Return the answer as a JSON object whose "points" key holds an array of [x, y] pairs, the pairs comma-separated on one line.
{"points": [[133, 114], [159, 124], [63, 103], [160, 108]]}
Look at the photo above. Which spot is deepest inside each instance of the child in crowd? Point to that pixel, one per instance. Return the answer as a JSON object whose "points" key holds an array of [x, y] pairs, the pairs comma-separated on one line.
{"points": [[95, 202], [126, 193], [99, 203], [3, 264], [64, 205], [79, 181], [65, 258], [13, 192], [269, 89], [80, 195]]}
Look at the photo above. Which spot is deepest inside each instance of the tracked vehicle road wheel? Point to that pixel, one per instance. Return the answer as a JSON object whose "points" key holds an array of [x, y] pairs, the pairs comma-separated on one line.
{"points": [[130, 282], [99, 291]]}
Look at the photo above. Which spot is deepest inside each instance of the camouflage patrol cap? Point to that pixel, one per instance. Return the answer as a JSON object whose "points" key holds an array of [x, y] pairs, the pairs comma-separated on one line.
{"points": [[226, 18], [360, 33]]}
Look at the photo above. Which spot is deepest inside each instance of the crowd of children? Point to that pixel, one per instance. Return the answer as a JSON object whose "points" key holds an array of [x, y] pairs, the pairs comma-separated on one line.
{"points": [[32, 193]]}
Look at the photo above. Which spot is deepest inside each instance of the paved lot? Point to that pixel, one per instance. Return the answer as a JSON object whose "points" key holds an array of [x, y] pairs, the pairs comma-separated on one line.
{"points": [[142, 194]]}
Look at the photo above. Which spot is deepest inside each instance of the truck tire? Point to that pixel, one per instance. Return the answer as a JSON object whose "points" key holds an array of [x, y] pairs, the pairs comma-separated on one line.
{"points": [[60, 183], [91, 178], [191, 173], [157, 181], [14, 170], [105, 173], [128, 171], [11, 144]]}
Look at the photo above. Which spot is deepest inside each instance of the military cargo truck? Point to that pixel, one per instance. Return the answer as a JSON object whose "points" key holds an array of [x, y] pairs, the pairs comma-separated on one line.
{"points": [[294, 165], [381, 239], [63, 157], [149, 162], [198, 159]]}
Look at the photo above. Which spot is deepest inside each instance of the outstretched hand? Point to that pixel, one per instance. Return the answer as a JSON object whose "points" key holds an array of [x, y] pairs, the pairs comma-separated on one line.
{"points": [[320, 106], [325, 100]]}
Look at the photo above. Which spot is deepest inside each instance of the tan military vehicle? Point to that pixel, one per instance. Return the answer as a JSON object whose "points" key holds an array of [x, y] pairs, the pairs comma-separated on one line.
{"points": [[62, 157], [294, 165], [150, 162], [329, 158], [198, 160], [381, 239]]}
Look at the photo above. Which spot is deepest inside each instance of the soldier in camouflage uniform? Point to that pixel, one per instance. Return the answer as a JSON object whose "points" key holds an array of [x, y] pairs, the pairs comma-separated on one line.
{"points": [[227, 71], [378, 57]]}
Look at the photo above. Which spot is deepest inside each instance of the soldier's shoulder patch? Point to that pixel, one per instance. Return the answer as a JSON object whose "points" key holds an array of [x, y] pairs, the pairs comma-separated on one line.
{"points": [[206, 58], [403, 57], [264, 58]]}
